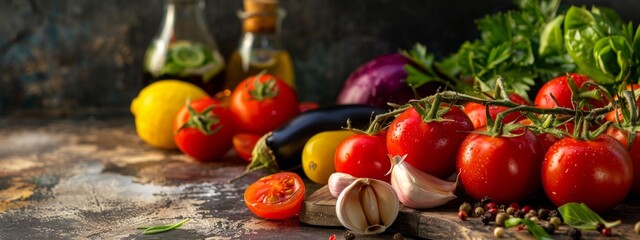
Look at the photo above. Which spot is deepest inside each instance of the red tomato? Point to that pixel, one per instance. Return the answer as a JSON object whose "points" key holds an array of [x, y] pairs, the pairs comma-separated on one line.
{"points": [[611, 116], [634, 152], [364, 156], [262, 103], [243, 144], [277, 196], [478, 112], [597, 173], [430, 147], [197, 142], [559, 88], [507, 169]]}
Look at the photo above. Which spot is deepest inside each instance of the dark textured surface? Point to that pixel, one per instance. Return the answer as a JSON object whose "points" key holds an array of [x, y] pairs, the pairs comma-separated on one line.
{"points": [[97, 180], [87, 55]]}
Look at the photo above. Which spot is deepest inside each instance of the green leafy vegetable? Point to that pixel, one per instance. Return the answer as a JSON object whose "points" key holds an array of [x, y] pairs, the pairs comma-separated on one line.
{"points": [[601, 45], [520, 45], [534, 228], [160, 229], [578, 215]]}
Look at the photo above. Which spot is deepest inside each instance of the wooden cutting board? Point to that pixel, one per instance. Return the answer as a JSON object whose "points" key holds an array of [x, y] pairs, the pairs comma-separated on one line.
{"points": [[443, 223]]}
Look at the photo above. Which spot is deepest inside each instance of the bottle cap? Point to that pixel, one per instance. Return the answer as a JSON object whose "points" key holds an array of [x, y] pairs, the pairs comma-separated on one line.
{"points": [[260, 15]]}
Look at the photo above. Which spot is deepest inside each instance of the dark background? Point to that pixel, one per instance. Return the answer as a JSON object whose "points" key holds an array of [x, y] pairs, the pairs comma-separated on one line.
{"points": [[86, 56]]}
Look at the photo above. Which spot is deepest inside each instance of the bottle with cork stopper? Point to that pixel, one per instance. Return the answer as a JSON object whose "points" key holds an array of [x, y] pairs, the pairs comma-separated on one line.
{"points": [[260, 47]]}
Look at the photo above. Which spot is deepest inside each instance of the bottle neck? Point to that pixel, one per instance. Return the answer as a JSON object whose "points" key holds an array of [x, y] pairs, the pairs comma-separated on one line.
{"points": [[184, 19]]}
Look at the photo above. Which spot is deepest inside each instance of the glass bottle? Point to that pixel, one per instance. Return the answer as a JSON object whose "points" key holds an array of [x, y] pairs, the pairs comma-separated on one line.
{"points": [[260, 48], [184, 49]]}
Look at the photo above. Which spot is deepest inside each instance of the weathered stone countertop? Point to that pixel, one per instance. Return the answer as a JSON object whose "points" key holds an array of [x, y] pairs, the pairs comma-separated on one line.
{"points": [[90, 179], [80, 179]]}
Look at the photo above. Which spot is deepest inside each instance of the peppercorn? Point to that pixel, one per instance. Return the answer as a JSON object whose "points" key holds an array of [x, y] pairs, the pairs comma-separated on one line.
{"points": [[554, 213], [501, 218], [533, 212], [485, 219], [510, 210], [462, 215], [485, 200], [534, 219], [479, 211], [465, 207], [490, 215], [490, 206], [478, 205], [555, 221], [636, 228], [514, 205], [519, 214], [575, 234], [549, 227], [493, 211], [349, 236], [606, 232], [528, 215], [543, 214], [526, 209], [498, 232], [398, 236]]}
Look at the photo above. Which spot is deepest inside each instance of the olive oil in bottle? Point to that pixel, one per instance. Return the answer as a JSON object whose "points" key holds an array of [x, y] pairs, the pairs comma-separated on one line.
{"points": [[260, 48]]}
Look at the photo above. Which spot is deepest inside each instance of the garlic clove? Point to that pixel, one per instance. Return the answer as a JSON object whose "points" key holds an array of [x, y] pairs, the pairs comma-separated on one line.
{"points": [[360, 202], [354, 215], [370, 205], [388, 202], [339, 181], [417, 189]]}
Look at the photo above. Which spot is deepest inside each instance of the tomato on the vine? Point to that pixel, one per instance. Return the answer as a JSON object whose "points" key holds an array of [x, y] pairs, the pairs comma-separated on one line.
{"points": [[277, 196], [506, 169], [203, 129], [611, 116], [634, 151], [595, 172], [559, 89], [364, 156], [429, 146], [478, 113], [262, 103], [243, 144]]}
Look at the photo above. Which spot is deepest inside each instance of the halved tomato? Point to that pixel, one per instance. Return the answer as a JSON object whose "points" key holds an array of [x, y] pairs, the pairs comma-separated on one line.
{"points": [[243, 144], [277, 196]]}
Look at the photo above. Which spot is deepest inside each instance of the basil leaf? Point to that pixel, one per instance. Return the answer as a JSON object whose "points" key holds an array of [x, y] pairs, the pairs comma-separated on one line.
{"points": [[551, 38], [162, 228], [534, 228], [579, 215], [636, 45], [581, 33]]}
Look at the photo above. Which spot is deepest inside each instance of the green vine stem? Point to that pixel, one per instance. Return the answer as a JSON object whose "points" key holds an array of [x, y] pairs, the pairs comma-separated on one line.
{"points": [[452, 97]]}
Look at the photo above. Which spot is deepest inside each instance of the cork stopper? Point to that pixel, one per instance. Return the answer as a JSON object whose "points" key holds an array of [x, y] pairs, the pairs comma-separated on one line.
{"points": [[260, 16]]}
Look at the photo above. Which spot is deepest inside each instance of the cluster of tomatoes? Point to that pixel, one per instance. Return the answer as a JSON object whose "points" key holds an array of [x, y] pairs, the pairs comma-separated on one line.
{"points": [[206, 129], [510, 167]]}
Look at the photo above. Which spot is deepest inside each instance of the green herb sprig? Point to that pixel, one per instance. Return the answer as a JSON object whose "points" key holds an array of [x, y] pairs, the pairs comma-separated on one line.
{"points": [[578, 215], [534, 228], [163, 228]]}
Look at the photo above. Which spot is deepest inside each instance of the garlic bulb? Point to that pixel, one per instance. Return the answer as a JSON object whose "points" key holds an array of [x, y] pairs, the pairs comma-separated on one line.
{"points": [[417, 189], [367, 206], [339, 181]]}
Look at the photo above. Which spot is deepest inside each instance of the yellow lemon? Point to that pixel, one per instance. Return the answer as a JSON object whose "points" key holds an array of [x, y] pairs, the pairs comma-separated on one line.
{"points": [[155, 109]]}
